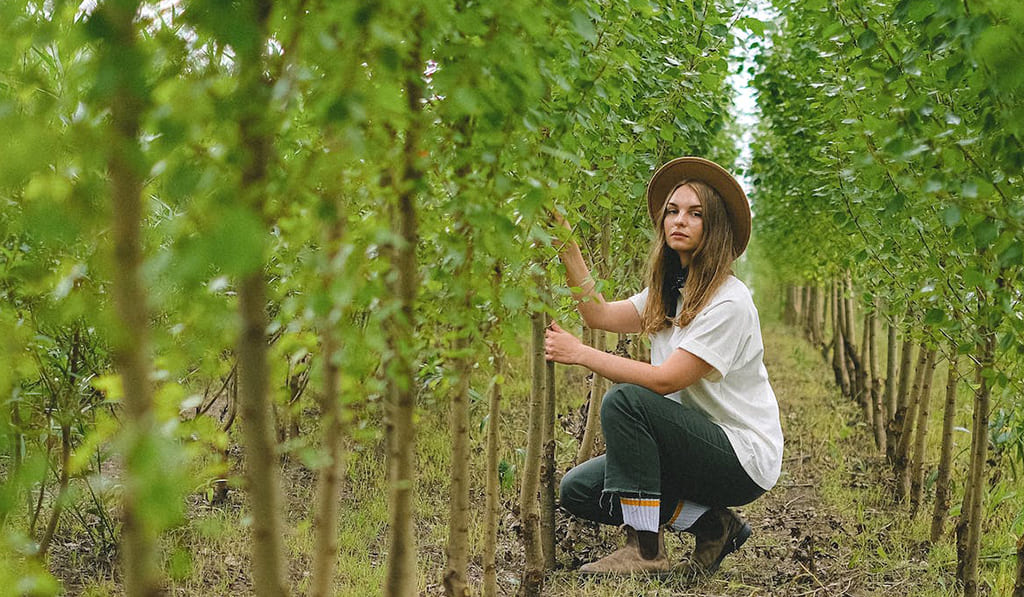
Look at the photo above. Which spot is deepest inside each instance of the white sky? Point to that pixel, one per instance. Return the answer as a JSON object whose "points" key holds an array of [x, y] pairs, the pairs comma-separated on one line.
{"points": [[745, 106]]}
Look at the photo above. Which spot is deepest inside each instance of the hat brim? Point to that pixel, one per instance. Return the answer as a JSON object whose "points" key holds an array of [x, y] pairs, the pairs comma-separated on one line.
{"points": [[694, 168]]}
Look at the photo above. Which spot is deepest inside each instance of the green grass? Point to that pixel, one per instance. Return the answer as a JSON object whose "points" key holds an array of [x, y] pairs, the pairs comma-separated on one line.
{"points": [[830, 525]]}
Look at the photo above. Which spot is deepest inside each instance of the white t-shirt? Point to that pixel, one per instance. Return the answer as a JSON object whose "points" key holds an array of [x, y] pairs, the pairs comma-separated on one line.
{"points": [[735, 394]]}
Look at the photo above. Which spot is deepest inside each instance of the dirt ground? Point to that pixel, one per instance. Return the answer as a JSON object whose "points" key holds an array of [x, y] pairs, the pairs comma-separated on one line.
{"points": [[801, 546]]}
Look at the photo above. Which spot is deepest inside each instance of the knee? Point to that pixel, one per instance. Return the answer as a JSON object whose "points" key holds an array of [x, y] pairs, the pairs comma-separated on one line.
{"points": [[619, 398], [572, 492]]}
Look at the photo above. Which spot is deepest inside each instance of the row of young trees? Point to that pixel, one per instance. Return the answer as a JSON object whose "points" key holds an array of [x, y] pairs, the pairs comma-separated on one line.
{"points": [[215, 206], [887, 170]]}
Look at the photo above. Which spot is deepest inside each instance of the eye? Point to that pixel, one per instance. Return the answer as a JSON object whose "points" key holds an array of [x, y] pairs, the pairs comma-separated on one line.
{"points": [[697, 214]]}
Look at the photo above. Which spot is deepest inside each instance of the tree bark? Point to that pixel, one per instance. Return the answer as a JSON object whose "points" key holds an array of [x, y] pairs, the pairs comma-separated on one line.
{"points": [[891, 374], [942, 488], [902, 397], [920, 441], [881, 414], [974, 495], [817, 317], [258, 438], [597, 389], [1018, 586], [493, 482], [864, 374], [255, 407], [789, 314], [850, 309], [455, 576], [803, 302], [400, 328], [599, 340], [839, 344], [329, 478], [458, 520], [902, 465], [547, 468], [131, 335], [827, 321], [62, 490], [529, 508]]}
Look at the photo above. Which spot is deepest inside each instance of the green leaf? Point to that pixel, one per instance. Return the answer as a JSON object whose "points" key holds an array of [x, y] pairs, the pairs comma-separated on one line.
{"points": [[236, 243], [985, 233], [951, 216], [934, 316], [584, 26], [1012, 255], [755, 26], [867, 40]]}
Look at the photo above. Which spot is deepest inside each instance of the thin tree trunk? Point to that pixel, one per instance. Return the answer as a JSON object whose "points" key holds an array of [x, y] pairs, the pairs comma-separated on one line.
{"points": [[942, 488], [62, 490], [792, 314], [875, 382], [529, 507], [902, 465], [400, 405], [839, 344], [131, 337], [329, 479], [805, 301], [891, 374], [257, 425], [976, 477], [493, 482], [1018, 586], [455, 576], [850, 310], [849, 314], [16, 440], [827, 321], [547, 468], [599, 340], [864, 373], [458, 521], [817, 317], [597, 389], [258, 438], [902, 397], [917, 458]]}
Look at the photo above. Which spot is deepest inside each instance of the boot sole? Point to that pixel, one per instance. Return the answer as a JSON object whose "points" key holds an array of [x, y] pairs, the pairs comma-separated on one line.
{"points": [[731, 546], [638, 573]]}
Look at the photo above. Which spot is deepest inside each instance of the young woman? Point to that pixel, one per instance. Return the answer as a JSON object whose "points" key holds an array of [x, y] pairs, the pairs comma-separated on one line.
{"points": [[696, 430]]}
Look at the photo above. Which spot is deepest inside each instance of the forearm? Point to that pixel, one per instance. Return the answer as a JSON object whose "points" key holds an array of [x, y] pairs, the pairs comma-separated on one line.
{"points": [[622, 370], [582, 284]]}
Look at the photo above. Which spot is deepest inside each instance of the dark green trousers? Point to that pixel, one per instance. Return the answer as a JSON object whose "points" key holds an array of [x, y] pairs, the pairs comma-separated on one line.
{"points": [[656, 447]]}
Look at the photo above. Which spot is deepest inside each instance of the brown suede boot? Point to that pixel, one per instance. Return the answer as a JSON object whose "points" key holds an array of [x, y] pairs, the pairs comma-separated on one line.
{"points": [[719, 532], [627, 560]]}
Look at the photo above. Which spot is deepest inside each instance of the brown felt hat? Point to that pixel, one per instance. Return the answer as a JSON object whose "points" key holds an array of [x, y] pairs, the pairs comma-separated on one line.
{"points": [[715, 176]]}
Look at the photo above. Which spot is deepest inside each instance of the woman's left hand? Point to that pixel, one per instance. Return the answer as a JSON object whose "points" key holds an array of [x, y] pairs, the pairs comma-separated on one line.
{"points": [[560, 346]]}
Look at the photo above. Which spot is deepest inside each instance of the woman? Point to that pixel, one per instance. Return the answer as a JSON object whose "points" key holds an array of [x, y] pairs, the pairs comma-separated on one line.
{"points": [[696, 430]]}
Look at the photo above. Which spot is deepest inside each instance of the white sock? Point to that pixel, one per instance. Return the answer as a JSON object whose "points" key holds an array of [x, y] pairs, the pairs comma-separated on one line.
{"points": [[641, 513], [686, 514]]}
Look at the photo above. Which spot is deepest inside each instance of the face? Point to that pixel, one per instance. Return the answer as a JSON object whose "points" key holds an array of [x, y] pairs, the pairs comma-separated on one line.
{"points": [[684, 223]]}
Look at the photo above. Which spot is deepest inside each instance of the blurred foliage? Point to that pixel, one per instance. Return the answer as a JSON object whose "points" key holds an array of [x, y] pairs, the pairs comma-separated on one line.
{"points": [[529, 105], [891, 146]]}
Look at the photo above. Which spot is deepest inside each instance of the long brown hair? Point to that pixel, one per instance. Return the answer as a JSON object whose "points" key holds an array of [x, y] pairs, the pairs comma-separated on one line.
{"points": [[710, 265]]}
